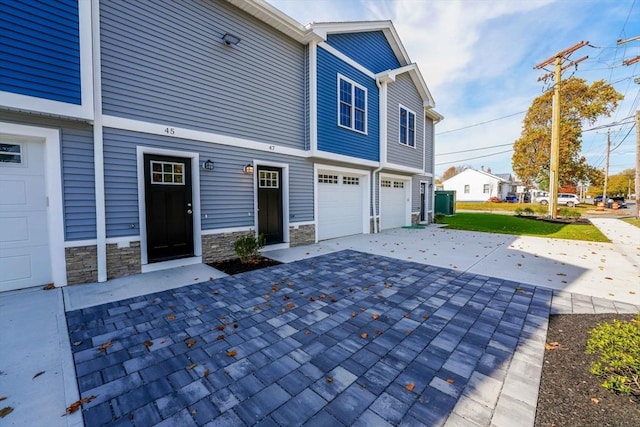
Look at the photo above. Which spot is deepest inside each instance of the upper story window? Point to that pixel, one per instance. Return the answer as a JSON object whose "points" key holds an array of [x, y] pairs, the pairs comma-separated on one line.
{"points": [[467, 190], [352, 105], [407, 127], [485, 188]]}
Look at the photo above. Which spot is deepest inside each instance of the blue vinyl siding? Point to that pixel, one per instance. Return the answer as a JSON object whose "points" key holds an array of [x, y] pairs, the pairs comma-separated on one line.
{"points": [[164, 62], [226, 193], [332, 137], [370, 49], [40, 49]]}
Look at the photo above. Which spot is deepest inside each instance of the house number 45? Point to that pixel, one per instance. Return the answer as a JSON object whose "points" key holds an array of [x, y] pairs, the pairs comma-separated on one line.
{"points": [[169, 131]]}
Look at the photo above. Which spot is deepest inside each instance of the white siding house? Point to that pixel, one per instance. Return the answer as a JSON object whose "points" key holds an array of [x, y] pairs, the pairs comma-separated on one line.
{"points": [[473, 185]]}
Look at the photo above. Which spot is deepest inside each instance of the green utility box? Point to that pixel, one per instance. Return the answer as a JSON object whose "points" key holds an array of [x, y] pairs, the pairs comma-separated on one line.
{"points": [[445, 203]]}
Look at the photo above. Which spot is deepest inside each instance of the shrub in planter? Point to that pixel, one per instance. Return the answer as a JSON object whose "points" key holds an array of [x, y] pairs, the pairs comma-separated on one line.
{"points": [[617, 345], [570, 213], [518, 211], [528, 211], [248, 247]]}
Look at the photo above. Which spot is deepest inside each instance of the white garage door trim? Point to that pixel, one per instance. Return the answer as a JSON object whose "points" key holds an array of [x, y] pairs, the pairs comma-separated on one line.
{"points": [[351, 182], [53, 189], [395, 201]]}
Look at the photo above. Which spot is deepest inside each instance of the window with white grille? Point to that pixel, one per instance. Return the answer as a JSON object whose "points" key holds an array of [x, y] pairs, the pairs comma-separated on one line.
{"points": [[327, 179], [169, 173], [385, 183], [351, 180], [398, 184], [268, 179]]}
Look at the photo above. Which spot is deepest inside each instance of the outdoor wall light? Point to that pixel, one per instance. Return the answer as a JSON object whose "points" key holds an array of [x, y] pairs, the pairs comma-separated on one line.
{"points": [[230, 39], [208, 165], [248, 169]]}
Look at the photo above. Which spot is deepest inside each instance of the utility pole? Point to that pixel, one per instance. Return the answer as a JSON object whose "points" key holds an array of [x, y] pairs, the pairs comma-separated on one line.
{"points": [[636, 80], [554, 154], [606, 171]]}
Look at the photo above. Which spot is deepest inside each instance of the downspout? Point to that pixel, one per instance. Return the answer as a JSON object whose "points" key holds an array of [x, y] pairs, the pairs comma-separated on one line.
{"points": [[382, 87], [98, 145]]}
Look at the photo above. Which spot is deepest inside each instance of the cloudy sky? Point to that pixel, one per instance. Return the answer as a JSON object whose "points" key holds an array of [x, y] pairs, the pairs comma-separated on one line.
{"points": [[477, 57]]}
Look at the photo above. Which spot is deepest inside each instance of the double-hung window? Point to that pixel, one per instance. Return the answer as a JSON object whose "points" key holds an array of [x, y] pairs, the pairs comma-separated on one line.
{"points": [[407, 127], [352, 105]]}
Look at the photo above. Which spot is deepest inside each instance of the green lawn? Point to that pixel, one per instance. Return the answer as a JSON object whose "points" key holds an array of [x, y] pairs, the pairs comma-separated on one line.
{"points": [[508, 224], [633, 221], [491, 207]]}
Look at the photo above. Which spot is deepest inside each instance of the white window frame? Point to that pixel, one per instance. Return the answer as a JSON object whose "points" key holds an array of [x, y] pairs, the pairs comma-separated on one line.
{"points": [[353, 105], [486, 189], [415, 117], [467, 189]]}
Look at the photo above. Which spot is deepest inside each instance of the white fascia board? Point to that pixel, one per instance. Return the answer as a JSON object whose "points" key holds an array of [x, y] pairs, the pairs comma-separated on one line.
{"points": [[347, 59], [275, 18], [345, 159], [433, 115], [401, 168], [184, 133]]}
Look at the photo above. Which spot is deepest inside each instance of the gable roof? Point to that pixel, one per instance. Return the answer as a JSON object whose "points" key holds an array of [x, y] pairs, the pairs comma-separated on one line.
{"points": [[486, 174]]}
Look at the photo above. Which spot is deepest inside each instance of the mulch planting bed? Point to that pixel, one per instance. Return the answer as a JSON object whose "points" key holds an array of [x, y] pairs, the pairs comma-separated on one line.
{"points": [[569, 394], [235, 266]]}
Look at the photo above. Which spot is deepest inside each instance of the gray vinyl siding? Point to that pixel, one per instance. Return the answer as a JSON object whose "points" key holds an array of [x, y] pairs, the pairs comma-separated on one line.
{"points": [[164, 62], [78, 177], [429, 142], [226, 193], [403, 92]]}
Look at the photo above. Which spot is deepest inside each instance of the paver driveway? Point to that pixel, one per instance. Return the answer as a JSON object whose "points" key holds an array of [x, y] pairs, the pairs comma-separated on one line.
{"points": [[341, 339]]}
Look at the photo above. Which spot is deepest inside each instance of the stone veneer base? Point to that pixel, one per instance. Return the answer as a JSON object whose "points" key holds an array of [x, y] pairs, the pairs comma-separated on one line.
{"points": [[82, 264]]}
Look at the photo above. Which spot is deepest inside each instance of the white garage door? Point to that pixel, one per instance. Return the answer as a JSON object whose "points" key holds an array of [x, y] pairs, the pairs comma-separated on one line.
{"points": [[393, 201], [340, 205], [24, 244]]}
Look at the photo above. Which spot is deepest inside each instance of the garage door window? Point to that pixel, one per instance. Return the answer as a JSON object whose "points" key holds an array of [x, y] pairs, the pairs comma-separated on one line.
{"points": [[350, 180], [11, 153], [268, 179], [327, 179], [398, 184], [385, 183]]}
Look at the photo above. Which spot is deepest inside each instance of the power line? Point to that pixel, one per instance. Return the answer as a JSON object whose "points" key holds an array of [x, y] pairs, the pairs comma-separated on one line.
{"points": [[481, 123], [474, 149], [473, 158]]}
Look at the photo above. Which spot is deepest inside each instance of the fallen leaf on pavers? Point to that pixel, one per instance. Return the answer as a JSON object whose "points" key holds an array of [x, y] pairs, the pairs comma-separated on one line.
{"points": [[103, 347], [190, 367], [232, 353], [171, 316], [353, 314], [256, 308], [351, 289], [406, 316], [289, 283], [519, 265], [322, 296], [191, 343], [76, 405], [5, 411], [216, 292], [49, 287], [387, 285], [425, 316], [375, 316], [194, 411], [307, 332], [77, 343], [608, 278], [329, 379], [291, 305], [332, 298], [552, 345], [147, 344], [410, 386], [595, 400], [451, 380], [611, 295], [286, 298], [206, 373], [560, 274], [378, 332], [283, 310], [362, 309], [221, 327], [38, 374], [162, 341], [220, 337], [408, 331], [3, 398], [632, 293], [267, 296], [211, 278], [235, 325], [311, 299], [172, 307], [364, 335]]}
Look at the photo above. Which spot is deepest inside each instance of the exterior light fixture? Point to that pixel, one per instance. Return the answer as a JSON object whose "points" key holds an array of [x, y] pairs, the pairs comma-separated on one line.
{"points": [[208, 165], [248, 169], [230, 39]]}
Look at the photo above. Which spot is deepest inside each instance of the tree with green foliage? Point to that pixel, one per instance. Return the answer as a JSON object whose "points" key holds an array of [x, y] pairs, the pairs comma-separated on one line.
{"points": [[579, 103]]}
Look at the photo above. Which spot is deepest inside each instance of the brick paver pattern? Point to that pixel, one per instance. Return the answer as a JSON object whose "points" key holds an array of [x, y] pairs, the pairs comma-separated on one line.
{"points": [[342, 339]]}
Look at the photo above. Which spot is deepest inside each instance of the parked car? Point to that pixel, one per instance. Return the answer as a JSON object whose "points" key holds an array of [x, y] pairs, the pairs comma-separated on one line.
{"points": [[618, 199], [511, 198], [564, 199]]}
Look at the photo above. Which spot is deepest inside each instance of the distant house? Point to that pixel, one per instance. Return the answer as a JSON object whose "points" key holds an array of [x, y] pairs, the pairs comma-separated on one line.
{"points": [[473, 185]]}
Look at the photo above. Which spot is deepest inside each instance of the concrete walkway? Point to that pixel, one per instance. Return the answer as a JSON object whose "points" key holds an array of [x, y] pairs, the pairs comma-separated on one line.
{"points": [[587, 277]]}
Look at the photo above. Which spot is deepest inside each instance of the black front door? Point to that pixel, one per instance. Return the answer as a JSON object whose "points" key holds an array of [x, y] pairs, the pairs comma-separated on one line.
{"points": [[270, 204], [423, 196], [169, 207]]}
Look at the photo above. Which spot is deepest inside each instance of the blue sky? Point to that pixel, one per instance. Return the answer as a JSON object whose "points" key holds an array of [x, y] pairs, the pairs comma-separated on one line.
{"points": [[477, 57]]}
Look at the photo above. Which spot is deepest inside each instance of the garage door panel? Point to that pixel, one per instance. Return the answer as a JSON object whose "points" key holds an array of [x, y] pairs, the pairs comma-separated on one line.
{"points": [[24, 242], [393, 209], [340, 205]]}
